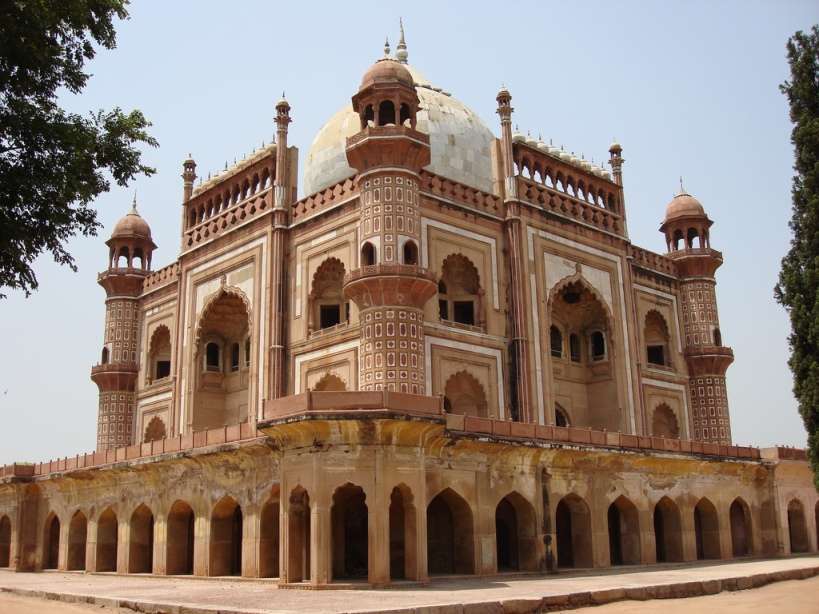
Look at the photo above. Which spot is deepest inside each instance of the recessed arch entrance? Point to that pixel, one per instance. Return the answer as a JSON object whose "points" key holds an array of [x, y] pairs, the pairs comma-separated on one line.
{"points": [[797, 527], [403, 534], [740, 517], [51, 542], [107, 541], [667, 531], [226, 530], [706, 530], [77, 540], [349, 540], [180, 539], [269, 537], [141, 543], [573, 529], [515, 534], [450, 536], [5, 541], [624, 532]]}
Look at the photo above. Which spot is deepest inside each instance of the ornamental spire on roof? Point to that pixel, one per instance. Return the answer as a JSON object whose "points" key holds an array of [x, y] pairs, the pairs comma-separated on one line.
{"points": [[401, 50]]}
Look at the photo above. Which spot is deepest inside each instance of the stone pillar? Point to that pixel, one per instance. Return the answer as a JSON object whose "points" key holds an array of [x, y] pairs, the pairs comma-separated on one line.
{"points": [[688, 533], [320, 548], [378, 536], [201, 545]]}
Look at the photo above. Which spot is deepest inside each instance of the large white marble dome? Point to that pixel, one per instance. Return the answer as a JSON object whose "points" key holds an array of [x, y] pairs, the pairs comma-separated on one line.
{"points": [[461, 143]]}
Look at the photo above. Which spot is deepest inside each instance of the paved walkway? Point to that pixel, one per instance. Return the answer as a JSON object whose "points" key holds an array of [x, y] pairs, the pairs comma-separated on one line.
{"points": [[489, 595]]}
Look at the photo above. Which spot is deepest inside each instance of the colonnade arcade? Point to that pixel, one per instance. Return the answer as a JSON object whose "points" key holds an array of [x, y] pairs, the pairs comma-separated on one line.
{"points": [[356, 534]]}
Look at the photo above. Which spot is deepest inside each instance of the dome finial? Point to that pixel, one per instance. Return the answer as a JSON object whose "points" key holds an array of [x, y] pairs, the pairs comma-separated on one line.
{"points": [[682, 189], [387, 47], [401, 50], [133, 205]]}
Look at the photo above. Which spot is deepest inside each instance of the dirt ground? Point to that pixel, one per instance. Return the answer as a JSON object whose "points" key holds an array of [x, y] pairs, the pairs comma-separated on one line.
{"points": [[795, 597]]}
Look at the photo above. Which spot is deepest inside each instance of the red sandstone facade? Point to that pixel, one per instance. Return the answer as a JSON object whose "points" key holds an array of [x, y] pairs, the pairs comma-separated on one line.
{"points": [[446, 358]]}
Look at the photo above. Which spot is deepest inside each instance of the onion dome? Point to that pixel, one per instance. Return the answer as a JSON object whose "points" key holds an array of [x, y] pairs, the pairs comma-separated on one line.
{"points": [[132, 226], [387, 70], [615, 147], [585, 164], [530, 140], [517, 137], [542, 146]]}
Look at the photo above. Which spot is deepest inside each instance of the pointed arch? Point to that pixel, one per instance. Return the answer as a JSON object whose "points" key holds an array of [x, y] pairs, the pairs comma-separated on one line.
{"points": [[667, 531], [573, 532], [226, 536], [797, 527], [107, 540], [403, 534], [624, 532], [155, 430], [159, 354], [515, 534], [462, 299], [664, 422], [330, 382], [450, 536], [141, 542], [657, 339], [465, 395], [269, 536], [327, 306], [706, 530], [77, 541], [349, 521], [180, 540], [5, 541], [212, 302], [51, 542], [741, 532]]}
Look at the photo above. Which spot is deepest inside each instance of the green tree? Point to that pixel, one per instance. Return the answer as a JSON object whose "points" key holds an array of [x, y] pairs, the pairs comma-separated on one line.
{"points": [[53, 164], [799, 277]]}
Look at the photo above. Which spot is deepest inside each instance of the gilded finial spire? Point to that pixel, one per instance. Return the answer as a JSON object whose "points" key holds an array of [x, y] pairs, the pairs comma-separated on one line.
{"points": [[401, 50], [387, 47]]}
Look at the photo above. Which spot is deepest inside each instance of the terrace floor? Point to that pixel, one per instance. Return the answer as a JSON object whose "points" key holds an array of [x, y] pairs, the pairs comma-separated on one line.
{"points": [[498, 594]]}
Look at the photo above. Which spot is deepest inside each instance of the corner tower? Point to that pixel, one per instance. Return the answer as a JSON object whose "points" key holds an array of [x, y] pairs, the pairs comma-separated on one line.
{"points": [[389, 286], [688, 239], [129, 262]]}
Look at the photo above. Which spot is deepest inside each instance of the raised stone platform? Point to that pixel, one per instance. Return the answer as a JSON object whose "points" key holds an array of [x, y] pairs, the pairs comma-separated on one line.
{"points": [[499, 594]]}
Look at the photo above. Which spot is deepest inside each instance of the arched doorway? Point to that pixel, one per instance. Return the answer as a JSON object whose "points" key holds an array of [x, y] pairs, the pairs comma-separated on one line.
{"points": [[450, 545], [459, 292], [51, 542], [298, 536], [740, 516], [269, 538], [667, 531], [141, 551], [180, 539], [221, 377], [664, 422], [226, 524], [77, 538], [403, 556], [624, 532], [5, 541], [348, 517], [573, 529], [797, 527], [589, 378], [515, 534], [107, 540], [326, 304], [706, 530]]}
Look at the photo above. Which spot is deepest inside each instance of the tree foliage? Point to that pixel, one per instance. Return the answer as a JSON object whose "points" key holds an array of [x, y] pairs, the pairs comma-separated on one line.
{"points": [[53, 163], [798, 287]]}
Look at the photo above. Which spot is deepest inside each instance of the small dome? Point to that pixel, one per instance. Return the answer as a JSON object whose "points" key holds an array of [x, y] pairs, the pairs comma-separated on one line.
{"points": [[132, 226], [683, 205], [387, 70]]}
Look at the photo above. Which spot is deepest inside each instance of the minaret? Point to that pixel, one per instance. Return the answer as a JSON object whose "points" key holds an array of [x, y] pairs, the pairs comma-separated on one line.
{"points": [[616, 161], [687, 233], [389, 287], [188, 177], [129, 262], [519, 348], [281, 195]]}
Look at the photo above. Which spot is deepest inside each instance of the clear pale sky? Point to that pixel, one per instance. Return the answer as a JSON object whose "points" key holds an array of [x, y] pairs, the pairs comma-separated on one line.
{"points": [[688, 88]]}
